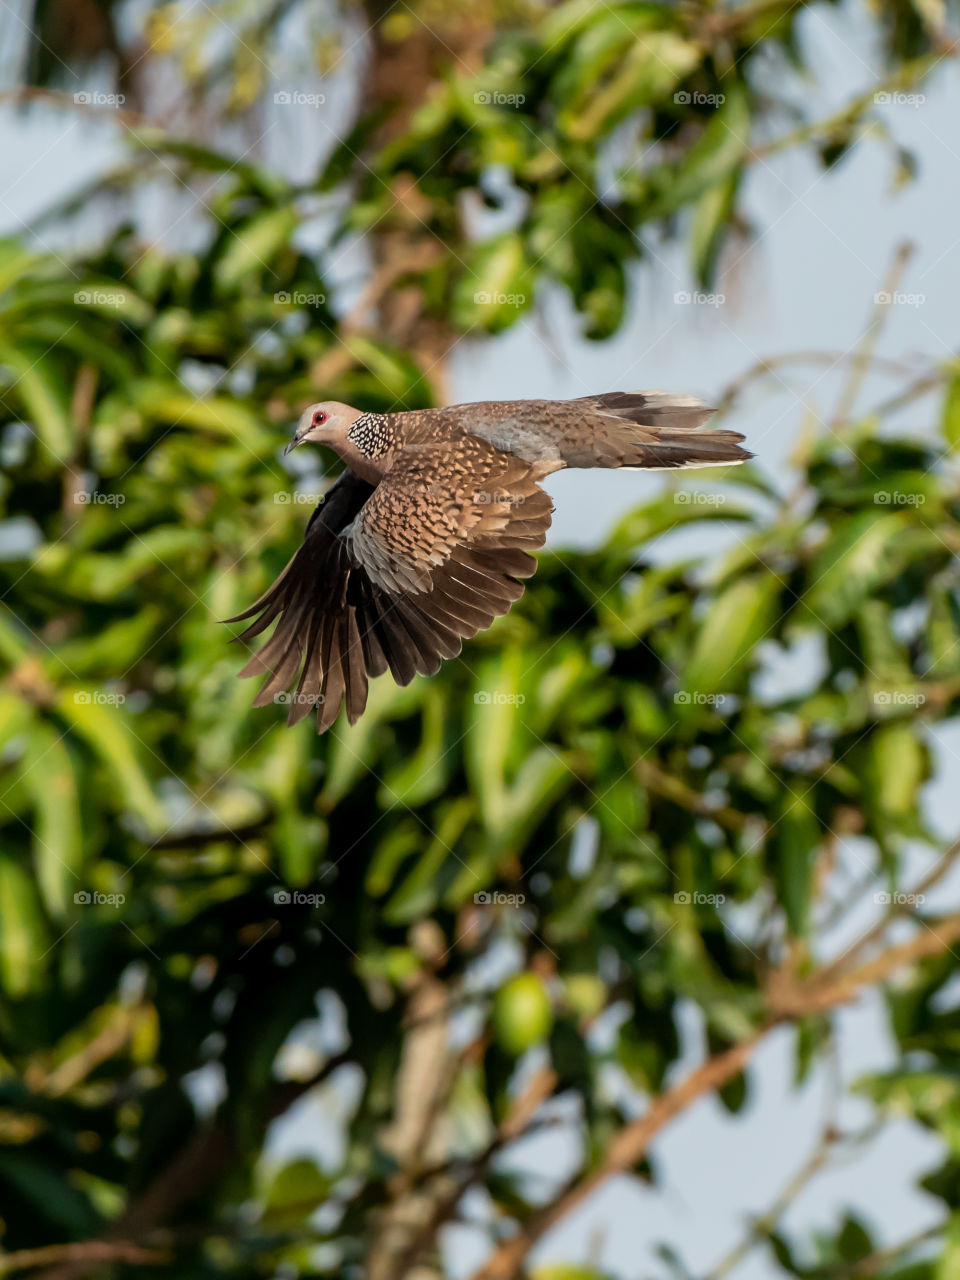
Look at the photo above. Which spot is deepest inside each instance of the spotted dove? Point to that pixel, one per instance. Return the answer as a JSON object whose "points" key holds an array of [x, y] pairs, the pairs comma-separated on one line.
{"points": [[425, 537]]}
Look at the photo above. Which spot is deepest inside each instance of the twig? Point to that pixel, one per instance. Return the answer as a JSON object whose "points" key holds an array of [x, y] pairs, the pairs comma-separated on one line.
{"points": [[864, 351], [789, 1001], [89, 1251]]}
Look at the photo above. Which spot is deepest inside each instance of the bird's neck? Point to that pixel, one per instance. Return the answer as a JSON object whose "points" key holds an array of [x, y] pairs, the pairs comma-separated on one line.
{"points": [[367, 448]]}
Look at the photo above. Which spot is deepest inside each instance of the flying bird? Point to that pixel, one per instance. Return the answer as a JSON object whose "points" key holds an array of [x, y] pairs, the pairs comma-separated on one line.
{"points": [[426, 537]]}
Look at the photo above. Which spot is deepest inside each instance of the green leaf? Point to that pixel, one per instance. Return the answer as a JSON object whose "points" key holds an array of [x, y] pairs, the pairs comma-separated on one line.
{"points": [[46, 403], [495, 288], [57, 840], [251, 250], [716, 155], [865, 551], [950, 417], [105, 732], [651, 66], [23, 935], [793, 848], [738, 619]]}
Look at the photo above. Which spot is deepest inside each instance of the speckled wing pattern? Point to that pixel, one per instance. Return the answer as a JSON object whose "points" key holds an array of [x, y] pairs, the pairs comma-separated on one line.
{"points": [[396, 577]]}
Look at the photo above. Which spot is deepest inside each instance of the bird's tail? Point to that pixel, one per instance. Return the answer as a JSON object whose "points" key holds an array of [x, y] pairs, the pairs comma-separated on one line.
{"points": [[652, 430]]}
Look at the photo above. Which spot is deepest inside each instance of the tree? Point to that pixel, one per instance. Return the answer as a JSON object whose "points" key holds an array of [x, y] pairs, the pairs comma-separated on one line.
{"points": [[185, 884]]}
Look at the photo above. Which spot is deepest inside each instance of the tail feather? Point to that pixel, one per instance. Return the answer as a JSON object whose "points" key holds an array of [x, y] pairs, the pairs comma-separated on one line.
{"points": [[650, 430], [653, 408]]}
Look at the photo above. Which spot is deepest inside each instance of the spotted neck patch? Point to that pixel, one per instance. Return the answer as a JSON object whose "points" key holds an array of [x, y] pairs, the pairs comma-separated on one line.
{"points": [[370, 434]]}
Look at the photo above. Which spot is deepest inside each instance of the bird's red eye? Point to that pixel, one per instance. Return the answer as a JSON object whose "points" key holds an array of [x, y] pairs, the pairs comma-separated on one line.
{"points": [[319, 418]]}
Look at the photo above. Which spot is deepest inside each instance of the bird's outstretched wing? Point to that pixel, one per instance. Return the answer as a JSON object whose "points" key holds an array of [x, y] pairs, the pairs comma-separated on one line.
{"points": [[395, 577]]}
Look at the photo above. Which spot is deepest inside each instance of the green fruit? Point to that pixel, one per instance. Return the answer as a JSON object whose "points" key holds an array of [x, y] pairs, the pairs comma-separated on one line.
{"points": [[522, 1014]]}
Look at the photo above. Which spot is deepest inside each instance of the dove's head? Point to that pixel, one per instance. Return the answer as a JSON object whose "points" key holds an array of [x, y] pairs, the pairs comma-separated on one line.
{"points": [[325, 423]]}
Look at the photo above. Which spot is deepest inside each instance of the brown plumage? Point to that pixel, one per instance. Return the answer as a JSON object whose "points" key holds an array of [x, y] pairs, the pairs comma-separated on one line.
{"points": [[426, 536]]}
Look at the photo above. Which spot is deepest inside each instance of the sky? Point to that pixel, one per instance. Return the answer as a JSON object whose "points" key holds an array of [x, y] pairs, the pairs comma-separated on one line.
{"points": [[805, 281]]}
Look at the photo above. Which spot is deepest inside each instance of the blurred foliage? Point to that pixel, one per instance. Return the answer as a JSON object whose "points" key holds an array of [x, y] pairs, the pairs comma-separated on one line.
{"points": [[612, 807]]}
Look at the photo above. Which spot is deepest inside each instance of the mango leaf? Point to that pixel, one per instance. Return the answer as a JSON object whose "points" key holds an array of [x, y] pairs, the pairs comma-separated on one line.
{"points": [[43, 392], [103, 728], [23, 934], [738, 619], [792, 851], [896, 766], [865, 551], [652, 65], [714, 157], [57, 840], [950, 416], [712, 214], [495, 288], [251, 250]]}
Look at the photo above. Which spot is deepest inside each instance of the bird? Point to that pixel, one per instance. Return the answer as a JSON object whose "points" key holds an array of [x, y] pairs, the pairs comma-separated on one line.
{"points": [[427, 534]]}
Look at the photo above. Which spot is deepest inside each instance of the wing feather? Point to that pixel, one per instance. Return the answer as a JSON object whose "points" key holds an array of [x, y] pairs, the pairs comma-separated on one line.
{"points": [[397, 576]]}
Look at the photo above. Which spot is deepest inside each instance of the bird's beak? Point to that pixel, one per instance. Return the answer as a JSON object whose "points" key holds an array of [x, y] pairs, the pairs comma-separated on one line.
{"points": [[292, 444]]}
